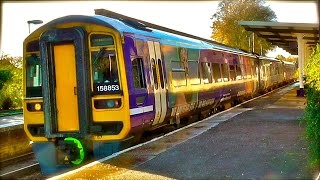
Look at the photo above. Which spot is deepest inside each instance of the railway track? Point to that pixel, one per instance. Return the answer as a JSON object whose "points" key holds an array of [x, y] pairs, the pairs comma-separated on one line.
{"points": [[19, 167], [26, 166]]}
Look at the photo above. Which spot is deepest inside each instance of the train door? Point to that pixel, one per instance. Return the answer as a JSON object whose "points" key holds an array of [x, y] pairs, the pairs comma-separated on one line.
{"points": [[159, 82], [64, 82]]}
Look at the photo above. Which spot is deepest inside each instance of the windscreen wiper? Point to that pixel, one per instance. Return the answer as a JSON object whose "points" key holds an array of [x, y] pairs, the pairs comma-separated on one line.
{"points": [[100, 54]]}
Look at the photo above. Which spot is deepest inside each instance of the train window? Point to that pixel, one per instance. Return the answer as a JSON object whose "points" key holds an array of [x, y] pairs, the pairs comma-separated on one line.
{"points": [[271, 67], [255, 69], [34, 77], [154, 72], [178, 74], [138, 73], [193, 66], [193, 72], [277, 69], [32, 46], [238, 72], [225, 72], [206, 73], [161, 73], [216, 72], [101, 40], [105, 71], [243, 71], [178, 78], [249, 71], [232, 72]]}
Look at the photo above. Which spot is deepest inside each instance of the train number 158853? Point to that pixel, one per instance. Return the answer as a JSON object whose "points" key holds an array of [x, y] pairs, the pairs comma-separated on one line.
{"points": [[106, 88]]}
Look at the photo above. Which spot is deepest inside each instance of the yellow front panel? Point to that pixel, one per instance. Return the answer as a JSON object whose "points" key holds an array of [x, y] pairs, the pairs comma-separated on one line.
{"points": [[66, 83]]}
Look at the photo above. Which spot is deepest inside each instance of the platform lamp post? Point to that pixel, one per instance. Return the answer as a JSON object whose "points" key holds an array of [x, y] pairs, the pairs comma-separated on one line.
{"points": [[34, 22]]}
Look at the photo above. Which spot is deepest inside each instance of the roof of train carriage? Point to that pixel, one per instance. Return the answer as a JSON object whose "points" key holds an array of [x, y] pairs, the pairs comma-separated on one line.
{"points": [[166, 35], [128, 26], [269, 58], [275, 59]]}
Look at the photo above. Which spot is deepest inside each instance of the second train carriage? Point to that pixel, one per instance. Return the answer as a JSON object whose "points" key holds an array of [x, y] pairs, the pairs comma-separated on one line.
{"points": [[92, 83]]}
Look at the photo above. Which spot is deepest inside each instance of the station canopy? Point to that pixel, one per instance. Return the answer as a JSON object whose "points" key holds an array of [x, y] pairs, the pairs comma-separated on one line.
{"points": [[284, 35]]}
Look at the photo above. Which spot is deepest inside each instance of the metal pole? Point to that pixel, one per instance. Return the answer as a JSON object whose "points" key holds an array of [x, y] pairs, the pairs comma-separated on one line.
{"points": [[33, 22], [253, 42], [319, 17], [249, 43], [300, 64]]}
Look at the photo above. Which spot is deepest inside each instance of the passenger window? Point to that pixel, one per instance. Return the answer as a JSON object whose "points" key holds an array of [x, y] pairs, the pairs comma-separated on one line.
{"points": [[232, 72], [161, 73], [216, 72], [255, 69], [194, 72], [206, 73], [178, 74], [154, 72], [178, 78], [243, 71], [238, 72], [249, 71], [138, 73], [225, 72]]}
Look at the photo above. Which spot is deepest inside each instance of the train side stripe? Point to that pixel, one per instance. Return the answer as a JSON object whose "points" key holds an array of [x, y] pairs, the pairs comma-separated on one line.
{"points": [[141, 110]]}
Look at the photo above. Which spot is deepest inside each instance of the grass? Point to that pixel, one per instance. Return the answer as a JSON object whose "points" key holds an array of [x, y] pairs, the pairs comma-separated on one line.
{"points": [[10, 112]]}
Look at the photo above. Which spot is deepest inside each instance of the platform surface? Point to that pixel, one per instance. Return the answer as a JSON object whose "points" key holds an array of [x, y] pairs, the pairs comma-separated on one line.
{"points": [[9, 122], [261, 139]]}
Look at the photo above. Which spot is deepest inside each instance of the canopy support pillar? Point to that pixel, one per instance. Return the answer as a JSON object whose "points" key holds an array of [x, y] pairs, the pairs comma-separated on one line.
{"points": [[300, 92]]}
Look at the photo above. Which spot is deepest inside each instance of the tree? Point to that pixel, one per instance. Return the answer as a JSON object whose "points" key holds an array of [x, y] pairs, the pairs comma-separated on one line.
{"points": [[312, 69], [311, 113], [5, 75], [11, 79], [225, 27]]}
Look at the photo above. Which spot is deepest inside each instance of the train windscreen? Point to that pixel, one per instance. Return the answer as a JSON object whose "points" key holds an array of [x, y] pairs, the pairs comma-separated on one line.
{"points": [[104, 64], [33, 76]]}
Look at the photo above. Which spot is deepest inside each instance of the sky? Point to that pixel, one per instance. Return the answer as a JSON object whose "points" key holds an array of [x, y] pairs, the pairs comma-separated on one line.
{"points": [[191, 17]]}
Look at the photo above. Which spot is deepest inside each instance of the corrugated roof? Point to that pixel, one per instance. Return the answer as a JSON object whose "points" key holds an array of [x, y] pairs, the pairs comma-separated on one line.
{"points": [[283, 34]]}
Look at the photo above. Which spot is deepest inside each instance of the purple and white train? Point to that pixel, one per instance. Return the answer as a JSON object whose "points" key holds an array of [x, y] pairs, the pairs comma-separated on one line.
{"points": [[93, 83]]}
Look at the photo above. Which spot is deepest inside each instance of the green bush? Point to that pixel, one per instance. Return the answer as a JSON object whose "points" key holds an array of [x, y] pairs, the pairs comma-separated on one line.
{"points": [[11, 80], [312, 119], [7, 103], [312, 110], [5, 75]]}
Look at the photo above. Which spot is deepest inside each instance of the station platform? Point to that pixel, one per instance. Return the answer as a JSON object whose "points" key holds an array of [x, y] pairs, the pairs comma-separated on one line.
{"points": [[260, 139], [14, 141], [11, 122]]}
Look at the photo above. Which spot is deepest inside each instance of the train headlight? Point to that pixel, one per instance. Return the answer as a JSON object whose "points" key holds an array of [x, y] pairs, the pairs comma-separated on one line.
{"points": [[107, 103], [37, 106], [110, 103]]}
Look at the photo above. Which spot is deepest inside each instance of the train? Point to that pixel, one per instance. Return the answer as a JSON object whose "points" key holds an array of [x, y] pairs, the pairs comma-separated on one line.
{"points": [[93, 84]]}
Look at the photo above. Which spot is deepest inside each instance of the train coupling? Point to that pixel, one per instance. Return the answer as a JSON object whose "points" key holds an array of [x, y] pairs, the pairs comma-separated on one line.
{"points": [[70, 151]]}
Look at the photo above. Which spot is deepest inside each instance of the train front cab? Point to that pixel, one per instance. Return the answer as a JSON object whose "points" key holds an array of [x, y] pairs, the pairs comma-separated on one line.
{"points": [[74, 92]]}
